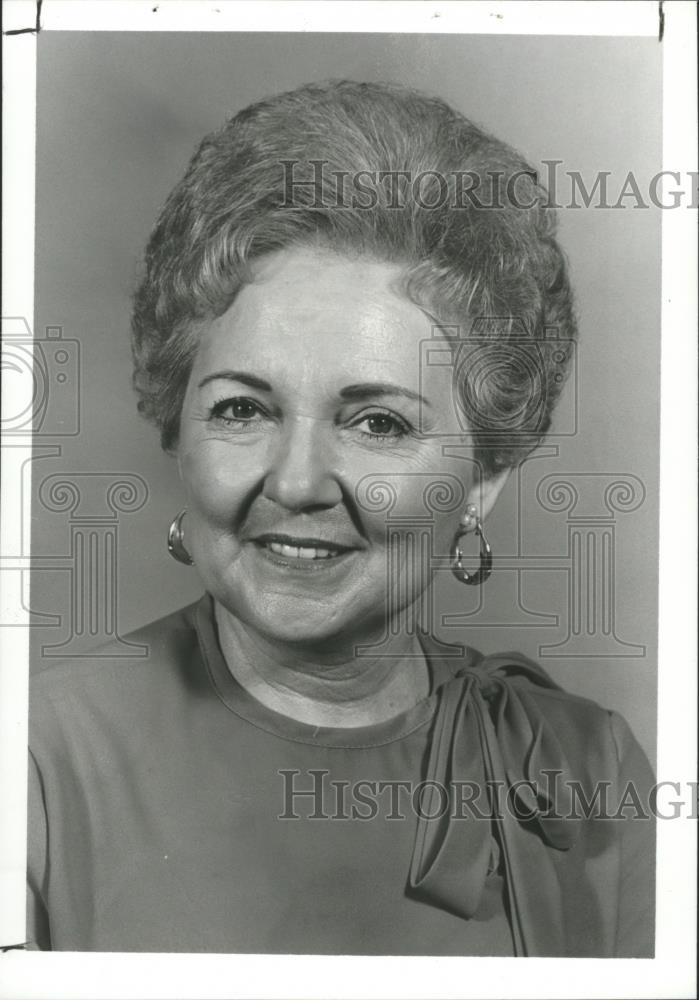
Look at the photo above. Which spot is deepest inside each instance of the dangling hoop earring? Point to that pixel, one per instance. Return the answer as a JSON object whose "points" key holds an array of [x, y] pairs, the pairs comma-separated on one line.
{"points": [[471, 522], [175, 541]]}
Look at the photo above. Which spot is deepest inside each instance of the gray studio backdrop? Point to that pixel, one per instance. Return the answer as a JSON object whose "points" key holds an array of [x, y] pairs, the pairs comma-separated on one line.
{"points": [[576, 532]]}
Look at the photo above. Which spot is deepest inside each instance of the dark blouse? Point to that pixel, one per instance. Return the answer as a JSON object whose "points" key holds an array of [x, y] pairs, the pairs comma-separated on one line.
{"points": [[172, 811]]}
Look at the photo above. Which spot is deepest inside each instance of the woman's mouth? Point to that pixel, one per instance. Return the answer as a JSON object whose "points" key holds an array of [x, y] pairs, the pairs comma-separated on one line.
{"points": [[297, 552], [301, 550]]}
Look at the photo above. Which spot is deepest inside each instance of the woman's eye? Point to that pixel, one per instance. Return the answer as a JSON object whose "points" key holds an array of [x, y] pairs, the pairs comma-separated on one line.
{"points": [[237, 411], [382, 425]]}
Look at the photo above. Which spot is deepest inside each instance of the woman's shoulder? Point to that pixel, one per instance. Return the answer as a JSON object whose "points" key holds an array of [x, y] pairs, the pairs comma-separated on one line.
{"points": [[534, 717], [565, 709], [115, 676]]}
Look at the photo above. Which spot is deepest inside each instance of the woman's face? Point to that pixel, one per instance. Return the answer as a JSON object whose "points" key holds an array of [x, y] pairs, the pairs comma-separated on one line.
{"points": [[306, 386]]}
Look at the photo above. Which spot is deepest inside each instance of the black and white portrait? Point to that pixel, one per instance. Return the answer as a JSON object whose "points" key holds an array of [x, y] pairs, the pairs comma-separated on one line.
{"points": [[338, 491]]}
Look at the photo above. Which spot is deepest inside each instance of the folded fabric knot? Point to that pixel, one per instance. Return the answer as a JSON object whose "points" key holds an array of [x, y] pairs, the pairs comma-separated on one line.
{"points": [[503, 773], [537, 772]]}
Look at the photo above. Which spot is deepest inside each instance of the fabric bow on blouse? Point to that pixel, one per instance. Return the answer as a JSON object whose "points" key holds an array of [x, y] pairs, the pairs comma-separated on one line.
{"points": [[493, 764]]}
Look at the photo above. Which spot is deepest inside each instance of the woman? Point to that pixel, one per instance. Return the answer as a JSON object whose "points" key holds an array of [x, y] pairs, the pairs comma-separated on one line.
{"points": [[298, 765]]}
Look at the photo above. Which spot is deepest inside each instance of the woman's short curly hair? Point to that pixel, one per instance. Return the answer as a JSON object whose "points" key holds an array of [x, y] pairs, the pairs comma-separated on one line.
{"points": [[381, 170]]}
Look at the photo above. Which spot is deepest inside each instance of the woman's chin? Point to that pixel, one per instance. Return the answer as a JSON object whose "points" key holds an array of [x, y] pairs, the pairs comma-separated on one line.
{"points": [[315, 604], [309, 629], [300, 620]]}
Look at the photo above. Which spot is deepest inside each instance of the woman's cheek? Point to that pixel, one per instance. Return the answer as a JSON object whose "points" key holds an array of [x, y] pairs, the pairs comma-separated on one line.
{"points": [[217, 481]]}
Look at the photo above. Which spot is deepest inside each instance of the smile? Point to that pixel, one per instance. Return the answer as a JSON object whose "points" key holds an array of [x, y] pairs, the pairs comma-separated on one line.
{"points": [[300, 551], [297, 552]]}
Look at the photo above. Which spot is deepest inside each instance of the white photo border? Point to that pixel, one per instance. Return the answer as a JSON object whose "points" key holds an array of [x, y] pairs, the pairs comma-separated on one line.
{"points": [[672, 973]]}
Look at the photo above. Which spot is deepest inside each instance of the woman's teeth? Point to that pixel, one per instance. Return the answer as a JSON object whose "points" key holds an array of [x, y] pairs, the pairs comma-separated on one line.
{"points": [[293, 552]]}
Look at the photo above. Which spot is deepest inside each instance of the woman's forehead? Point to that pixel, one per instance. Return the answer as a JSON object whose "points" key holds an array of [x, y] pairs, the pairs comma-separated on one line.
{"points": [[324, 313]]}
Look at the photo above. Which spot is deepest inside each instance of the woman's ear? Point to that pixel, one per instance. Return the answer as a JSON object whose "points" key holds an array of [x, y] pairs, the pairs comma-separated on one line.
{"points": [[485, 492]]}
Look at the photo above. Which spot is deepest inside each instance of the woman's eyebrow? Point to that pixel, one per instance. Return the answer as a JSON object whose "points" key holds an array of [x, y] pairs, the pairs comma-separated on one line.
{"points": [[366, 390], [245, 377], [357, 392]]}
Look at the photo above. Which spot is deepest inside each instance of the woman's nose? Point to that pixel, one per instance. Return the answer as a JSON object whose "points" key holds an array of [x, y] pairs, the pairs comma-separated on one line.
{"points": [[301, 473]]}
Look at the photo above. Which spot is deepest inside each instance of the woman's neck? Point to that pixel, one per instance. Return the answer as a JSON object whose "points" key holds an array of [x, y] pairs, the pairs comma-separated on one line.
{"points": [[321, 687]]}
